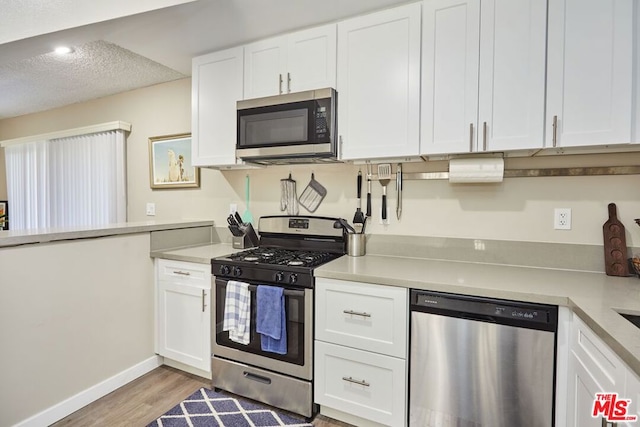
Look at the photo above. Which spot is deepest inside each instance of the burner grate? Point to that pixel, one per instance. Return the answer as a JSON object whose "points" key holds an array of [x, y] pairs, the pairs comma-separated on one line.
{"points": [[284, 257]]}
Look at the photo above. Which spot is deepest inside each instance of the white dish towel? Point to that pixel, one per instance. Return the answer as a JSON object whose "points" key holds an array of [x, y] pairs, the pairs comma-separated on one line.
{"points": [[237, 312]]}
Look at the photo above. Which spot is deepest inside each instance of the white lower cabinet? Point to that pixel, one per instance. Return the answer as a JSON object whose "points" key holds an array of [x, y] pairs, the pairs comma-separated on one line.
{"points": [[593, 368], [361, 350], [183, 326]]}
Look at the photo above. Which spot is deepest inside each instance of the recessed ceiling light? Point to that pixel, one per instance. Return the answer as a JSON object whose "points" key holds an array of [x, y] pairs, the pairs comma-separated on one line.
{"points": [[62, 50]]}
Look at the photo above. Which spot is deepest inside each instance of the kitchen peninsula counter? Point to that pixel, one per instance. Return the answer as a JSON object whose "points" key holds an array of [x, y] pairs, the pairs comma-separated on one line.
{"points": [[25, 237], [594, 296]]}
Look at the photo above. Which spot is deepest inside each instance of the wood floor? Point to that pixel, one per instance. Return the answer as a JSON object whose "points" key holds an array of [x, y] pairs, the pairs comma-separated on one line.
{"points": [[142, 401]]}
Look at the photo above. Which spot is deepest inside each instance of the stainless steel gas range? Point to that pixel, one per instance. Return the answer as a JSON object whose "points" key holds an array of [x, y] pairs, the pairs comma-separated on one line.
{"points": [[290, 248]]}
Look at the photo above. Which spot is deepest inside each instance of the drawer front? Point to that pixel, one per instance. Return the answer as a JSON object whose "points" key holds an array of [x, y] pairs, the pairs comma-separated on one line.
{"points": [[598, 359], [184, 272], [360, 383], [363, 316]]}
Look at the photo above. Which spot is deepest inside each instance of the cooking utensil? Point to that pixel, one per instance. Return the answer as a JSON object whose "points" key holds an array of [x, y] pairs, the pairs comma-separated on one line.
{"points": [[368, 190], [312, 195], [399, 191], [358, 218], [246, 215], [288, 196], [342, 223], [615, 245], [384, 177]]}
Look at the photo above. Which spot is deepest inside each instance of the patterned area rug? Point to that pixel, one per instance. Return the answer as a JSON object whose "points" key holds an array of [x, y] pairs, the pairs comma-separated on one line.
{"points": [[207, 408]]}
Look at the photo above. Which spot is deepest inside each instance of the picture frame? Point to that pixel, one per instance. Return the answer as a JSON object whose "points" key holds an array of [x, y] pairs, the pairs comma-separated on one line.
{"points": [[4, 215], [171, 162]]}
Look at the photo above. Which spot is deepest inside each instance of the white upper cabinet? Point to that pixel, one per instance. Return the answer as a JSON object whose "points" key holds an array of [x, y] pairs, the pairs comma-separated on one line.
{"points": [[589, 77], [379, 84], [483, 77], [216, 87], [294, 62]]}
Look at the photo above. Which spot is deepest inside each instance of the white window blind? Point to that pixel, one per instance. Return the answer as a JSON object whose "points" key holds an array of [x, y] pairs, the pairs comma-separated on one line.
{"points": [[67, 182]]}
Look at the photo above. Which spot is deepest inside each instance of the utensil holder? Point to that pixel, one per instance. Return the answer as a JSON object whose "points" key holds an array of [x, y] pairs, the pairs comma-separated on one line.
{"points": [[356, 244]]}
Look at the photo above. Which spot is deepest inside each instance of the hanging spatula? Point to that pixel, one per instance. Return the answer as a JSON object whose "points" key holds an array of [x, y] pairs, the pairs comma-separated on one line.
{"points": [[384, 177], [246, 215]]}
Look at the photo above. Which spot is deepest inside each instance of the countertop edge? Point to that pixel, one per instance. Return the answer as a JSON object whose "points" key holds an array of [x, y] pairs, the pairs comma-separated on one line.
{"points": [[16, 238]]}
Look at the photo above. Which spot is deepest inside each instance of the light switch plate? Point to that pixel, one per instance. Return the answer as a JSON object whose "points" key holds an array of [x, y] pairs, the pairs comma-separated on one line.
{"points": [[151, 209]]}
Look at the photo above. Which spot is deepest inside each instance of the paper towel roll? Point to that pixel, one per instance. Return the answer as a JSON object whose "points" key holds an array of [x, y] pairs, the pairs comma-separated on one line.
{"points": [[476, 170]]}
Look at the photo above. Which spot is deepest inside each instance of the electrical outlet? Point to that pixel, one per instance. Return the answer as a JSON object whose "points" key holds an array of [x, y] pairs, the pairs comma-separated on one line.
{"points": [[562, 218], [151, 209]]}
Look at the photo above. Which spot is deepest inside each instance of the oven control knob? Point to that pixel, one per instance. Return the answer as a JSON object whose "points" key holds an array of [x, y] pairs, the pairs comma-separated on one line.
{"points": [[237, 271], [279, 276], [293, 278], [225, 270]]}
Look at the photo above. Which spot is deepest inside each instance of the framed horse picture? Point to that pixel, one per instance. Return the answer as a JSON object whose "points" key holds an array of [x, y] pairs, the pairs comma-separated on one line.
{"points": [[170, 162]]}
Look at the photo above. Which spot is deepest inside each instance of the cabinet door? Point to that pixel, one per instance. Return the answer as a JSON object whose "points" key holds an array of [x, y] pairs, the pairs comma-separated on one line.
{"points": [[216, 87], [512, 74], [450, 47], [632, 391], [582, 390], [311, 59], [184, 324], [379, 84], [265, 68], [589, 76]]}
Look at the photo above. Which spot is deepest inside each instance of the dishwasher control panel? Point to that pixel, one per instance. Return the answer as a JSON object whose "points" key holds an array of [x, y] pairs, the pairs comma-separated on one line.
{"points": [[486, 309]]}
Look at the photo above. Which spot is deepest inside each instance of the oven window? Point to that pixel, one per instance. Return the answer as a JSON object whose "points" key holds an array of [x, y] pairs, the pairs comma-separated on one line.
{"points": [[295, 313], [274, 127]]}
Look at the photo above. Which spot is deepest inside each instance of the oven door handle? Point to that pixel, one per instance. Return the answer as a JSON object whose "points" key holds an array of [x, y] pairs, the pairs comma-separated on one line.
{"points": [[287, 292]]}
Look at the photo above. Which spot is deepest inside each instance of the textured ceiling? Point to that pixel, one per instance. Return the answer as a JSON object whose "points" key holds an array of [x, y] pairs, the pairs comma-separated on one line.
{"points": [[138, 50], [92, 70]]}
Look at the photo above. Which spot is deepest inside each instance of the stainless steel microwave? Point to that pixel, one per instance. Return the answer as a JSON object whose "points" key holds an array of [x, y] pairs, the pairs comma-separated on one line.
{"points": [[292, 128]]}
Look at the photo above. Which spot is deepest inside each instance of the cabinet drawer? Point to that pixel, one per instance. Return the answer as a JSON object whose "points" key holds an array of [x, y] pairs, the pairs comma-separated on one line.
{"points": [[364, 384], [363, 316], [184, 272], [596, 356]]}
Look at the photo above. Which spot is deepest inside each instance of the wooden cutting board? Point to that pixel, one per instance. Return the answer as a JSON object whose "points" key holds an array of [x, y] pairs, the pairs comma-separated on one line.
{"points": [[615, 245]]}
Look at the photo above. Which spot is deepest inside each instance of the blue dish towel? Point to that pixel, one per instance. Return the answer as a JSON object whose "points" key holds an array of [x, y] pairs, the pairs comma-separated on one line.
{"points": [[237, 312], [271, 320]]}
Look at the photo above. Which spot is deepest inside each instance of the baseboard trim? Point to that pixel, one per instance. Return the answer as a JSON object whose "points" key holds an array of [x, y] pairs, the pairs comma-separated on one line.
{"points": [[72, 404]]}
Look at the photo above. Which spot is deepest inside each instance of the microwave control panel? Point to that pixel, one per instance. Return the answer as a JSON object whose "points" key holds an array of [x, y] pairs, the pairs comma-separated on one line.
{"points": [[322, 120]]}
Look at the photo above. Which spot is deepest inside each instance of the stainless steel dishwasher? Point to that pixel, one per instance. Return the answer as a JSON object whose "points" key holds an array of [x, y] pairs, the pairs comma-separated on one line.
{"points": [[481, 362]]}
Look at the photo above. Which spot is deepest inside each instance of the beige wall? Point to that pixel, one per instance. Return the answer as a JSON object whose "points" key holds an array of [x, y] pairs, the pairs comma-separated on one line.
{"points": [[517, 209], [72, 314]]}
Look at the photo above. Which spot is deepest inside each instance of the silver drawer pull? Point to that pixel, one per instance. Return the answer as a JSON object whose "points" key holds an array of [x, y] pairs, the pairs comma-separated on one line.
{"points": [[182, 273], [351, 380], [355, 313]]}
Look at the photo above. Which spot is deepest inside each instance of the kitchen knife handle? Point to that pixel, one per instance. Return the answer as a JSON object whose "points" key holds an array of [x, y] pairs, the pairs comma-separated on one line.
{"points": [[384, 207]]}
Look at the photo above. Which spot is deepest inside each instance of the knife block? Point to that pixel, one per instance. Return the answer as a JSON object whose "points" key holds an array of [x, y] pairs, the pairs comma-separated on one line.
{"points": [[249, 239]]}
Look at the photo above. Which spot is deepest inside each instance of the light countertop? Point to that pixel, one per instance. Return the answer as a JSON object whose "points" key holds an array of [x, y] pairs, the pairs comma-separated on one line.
{"points": [[593, 296], [198, 254], [23, 237]]}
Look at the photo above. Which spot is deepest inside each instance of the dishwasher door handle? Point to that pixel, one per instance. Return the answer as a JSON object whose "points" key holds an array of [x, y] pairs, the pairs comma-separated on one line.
{"points": [[480, 317]]}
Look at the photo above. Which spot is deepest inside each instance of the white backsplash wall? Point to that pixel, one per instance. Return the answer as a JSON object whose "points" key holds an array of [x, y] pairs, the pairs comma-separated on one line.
{"points": [[518, 209]]}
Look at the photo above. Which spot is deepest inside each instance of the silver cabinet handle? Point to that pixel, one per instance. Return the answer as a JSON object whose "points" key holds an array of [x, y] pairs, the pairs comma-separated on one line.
{"points": [[355, 313], [288, 82], [351, 380], [280, 84], [555, 130], [484, 136], [340, 150], [470, 136], [182, 273], [204, 294]]}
